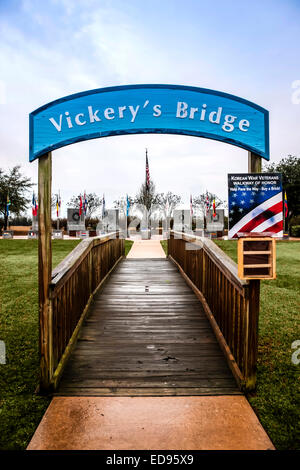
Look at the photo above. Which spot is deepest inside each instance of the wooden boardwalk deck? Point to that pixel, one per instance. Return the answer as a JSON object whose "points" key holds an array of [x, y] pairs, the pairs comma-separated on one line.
{"points": [[146, 335]]}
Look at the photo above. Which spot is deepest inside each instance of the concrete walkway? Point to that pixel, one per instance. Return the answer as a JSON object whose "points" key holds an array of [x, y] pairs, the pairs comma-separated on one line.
{"points": [[150, 423], [146, 249]]}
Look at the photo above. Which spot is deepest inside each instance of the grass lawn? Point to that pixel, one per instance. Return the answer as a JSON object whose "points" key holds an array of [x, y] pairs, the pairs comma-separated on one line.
{"points": [[20, 409], [277, 399], [164, 244], [128, 245]]}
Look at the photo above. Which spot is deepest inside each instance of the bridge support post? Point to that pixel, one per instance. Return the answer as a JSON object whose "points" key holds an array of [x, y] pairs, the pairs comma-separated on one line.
{"points": [[251, 343], [254, 163], [254, 166], [45, 269]]}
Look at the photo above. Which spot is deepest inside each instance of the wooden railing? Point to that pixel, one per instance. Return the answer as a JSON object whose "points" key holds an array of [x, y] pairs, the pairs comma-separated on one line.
{"points": [[231, 304], [74, 283]]}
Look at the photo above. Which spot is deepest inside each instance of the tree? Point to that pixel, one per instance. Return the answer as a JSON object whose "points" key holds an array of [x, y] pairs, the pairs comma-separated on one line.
{"points": [[147, 198], [13, 186], [168, 202], [200, 201], [289, 167], [93, 203]]}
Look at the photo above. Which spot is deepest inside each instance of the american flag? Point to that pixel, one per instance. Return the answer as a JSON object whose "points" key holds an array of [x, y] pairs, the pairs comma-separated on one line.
{"points": [[256, 207], [147, 172]]}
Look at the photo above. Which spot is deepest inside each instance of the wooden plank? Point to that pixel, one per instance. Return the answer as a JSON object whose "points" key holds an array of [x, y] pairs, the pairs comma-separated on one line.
{"points": [[146, 382], [71, 342], [135, 392], [219, 335], [134, 343]]}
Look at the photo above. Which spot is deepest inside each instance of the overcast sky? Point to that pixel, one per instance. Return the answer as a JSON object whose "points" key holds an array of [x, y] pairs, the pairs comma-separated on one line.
{"points": [[55, 48]]}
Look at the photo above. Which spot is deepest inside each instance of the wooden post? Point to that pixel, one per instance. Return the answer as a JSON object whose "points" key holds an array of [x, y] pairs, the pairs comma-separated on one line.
{"points": [[254, 166], [45, 269], [254, 163], [251, 340]]}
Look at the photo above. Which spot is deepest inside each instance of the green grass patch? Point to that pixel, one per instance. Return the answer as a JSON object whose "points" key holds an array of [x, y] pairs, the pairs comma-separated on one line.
{"points": [[20, 408], [164, 244], [277, 400], [128, 245]]}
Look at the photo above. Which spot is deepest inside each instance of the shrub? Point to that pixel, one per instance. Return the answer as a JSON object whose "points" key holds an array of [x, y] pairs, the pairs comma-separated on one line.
{"points": [[295, 231]]}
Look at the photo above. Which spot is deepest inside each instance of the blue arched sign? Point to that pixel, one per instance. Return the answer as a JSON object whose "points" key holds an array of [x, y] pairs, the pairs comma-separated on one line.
{"points": [[136, 109]]}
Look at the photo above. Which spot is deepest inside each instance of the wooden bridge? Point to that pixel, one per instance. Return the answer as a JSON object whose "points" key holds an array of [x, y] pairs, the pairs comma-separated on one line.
{"points": [[185, 325]]}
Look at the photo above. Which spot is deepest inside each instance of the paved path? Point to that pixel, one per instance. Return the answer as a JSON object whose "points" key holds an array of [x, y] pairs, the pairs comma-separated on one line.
{"points": [[151, 423], [146, 249]]}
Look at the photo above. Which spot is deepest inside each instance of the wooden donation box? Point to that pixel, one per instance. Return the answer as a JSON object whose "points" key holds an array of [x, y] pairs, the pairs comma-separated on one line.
{"points": [[256, 258]]}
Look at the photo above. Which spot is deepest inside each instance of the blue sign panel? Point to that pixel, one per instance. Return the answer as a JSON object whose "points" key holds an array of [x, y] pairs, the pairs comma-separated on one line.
{"points": [[135, 109]]}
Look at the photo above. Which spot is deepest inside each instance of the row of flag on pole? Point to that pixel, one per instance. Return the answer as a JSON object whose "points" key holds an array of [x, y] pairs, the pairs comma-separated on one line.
{"points": [[83, 203], [207, 206]]}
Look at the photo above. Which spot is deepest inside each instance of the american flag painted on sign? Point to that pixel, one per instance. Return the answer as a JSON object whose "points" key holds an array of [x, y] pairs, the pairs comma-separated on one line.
{"points": [[255, 204]]}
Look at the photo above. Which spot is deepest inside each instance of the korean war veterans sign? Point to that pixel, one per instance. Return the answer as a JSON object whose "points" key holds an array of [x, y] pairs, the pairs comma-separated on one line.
{"points": [[255, 204], [133, 109]]}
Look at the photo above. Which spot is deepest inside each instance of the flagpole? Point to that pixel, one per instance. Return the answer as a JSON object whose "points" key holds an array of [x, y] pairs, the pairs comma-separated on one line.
{"points": [[127, 215], [147, 182], [57, 213]]}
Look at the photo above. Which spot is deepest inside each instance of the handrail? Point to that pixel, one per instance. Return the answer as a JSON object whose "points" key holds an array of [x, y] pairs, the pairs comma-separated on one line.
{"points": [[73, 285], [224, 262], [72, 259], [231, 304]]}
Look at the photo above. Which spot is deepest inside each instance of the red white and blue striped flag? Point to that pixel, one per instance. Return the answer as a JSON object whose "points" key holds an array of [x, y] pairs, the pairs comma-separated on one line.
{"points": [[255, 204]]}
